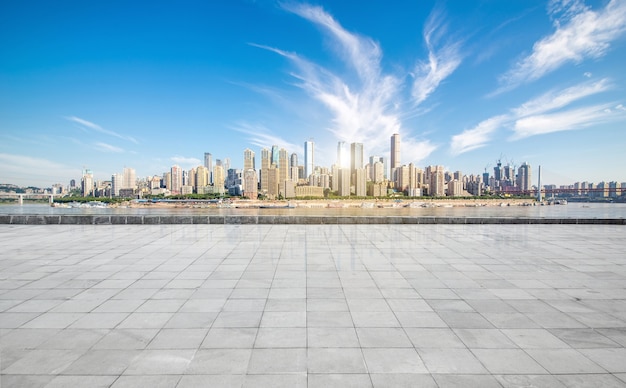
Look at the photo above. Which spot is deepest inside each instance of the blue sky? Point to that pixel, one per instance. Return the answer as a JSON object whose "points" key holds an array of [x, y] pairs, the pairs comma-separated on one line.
{"points": [[108, 85]]}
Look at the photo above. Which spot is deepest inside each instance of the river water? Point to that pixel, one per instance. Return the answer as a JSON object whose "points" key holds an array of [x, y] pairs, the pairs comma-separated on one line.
{"points": [[571, 210]]}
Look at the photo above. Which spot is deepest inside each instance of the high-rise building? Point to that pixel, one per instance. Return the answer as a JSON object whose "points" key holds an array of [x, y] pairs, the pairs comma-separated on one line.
{"points": [[273, 182], [202, 177], [283, 169], [343, 182], [250, 184], [177, 179], [360, 182], [309, 159], [218, 176], [266, 161], [249, 165], [129, 178], [356, 156], [293, 160], [116, 184], [524, 182], [378, 172], [275, 155], [395, 153], [436, 176], [248, 160], [208, 163], [343, 155], [356, 160]]}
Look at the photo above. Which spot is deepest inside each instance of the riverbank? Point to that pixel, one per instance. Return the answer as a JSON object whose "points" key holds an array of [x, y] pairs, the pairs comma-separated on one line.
{"points": [[333, 203]]}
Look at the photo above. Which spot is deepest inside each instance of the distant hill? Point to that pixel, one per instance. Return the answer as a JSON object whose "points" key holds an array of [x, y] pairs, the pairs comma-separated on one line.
{"points": [[10, 188]]}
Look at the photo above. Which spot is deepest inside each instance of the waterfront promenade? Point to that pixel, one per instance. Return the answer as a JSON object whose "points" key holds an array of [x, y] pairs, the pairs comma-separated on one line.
{"points": [[302, 305]]}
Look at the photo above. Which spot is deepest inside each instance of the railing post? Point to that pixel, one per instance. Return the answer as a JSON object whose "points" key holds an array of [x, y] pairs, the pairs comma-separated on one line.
{"points": [[51, 199], [20, 199]]}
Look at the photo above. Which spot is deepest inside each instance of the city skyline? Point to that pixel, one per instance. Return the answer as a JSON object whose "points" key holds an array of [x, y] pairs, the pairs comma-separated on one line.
{"points": [[109, 86]]}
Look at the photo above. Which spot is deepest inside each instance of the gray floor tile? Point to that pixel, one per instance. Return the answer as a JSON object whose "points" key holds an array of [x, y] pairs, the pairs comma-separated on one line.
{"points": [[102, 362], [314, 305], [393, 360], [234, 338], [459, 361], [281, 337], [336, 360], [146, 381], [178, 339], [49, 362], [161, 362], [339, 380], [276, 381], [220, 361], [278, 361], [462, 381], [508, 361]]}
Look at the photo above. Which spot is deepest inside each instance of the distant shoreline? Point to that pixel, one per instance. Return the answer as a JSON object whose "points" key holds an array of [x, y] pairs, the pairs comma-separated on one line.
{"points": [[339, 203]]}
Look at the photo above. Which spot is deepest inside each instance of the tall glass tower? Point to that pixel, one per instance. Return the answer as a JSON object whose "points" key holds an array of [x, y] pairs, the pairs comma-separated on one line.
{"points": [[309, 163]]}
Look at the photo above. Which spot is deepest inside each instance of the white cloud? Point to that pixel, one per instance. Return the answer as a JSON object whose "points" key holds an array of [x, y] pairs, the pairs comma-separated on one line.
{"points": [[558, 99], [104, 147], [95, 127], [25, 170], [581, 33], [367, 108], [561, 121], [587, 74], [441, 62], [532, 118], [262, 137], [479, 136]]}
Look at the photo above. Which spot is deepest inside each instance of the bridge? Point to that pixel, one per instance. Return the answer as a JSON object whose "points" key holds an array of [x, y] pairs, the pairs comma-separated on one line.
{"points": [[20, 197]]}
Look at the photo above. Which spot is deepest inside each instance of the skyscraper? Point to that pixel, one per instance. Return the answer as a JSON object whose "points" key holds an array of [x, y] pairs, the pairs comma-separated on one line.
{"points": [[523, 177], [87, 183], [116, 184], [395, 153], [356, 160], [177, 179], [202, 177], [129, 181], [343, 155], [283, 169], [208, 163], [266, 161], [309, 163], [250, 185], [356, 156], [248, 160], [274, 155]]}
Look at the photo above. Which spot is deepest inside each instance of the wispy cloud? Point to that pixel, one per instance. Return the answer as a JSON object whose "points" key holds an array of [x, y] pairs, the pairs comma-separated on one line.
{"points": [[442, 61], [366, 105], [26, 170], [262, 137], [95, 127], [580, 33], [541, 115], [477, 137], [562, 121], [104, 147], [558, 99]]}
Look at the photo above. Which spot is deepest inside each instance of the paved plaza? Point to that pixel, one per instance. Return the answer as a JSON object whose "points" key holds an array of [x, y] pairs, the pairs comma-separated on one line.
{"points": [[313, 306]]}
